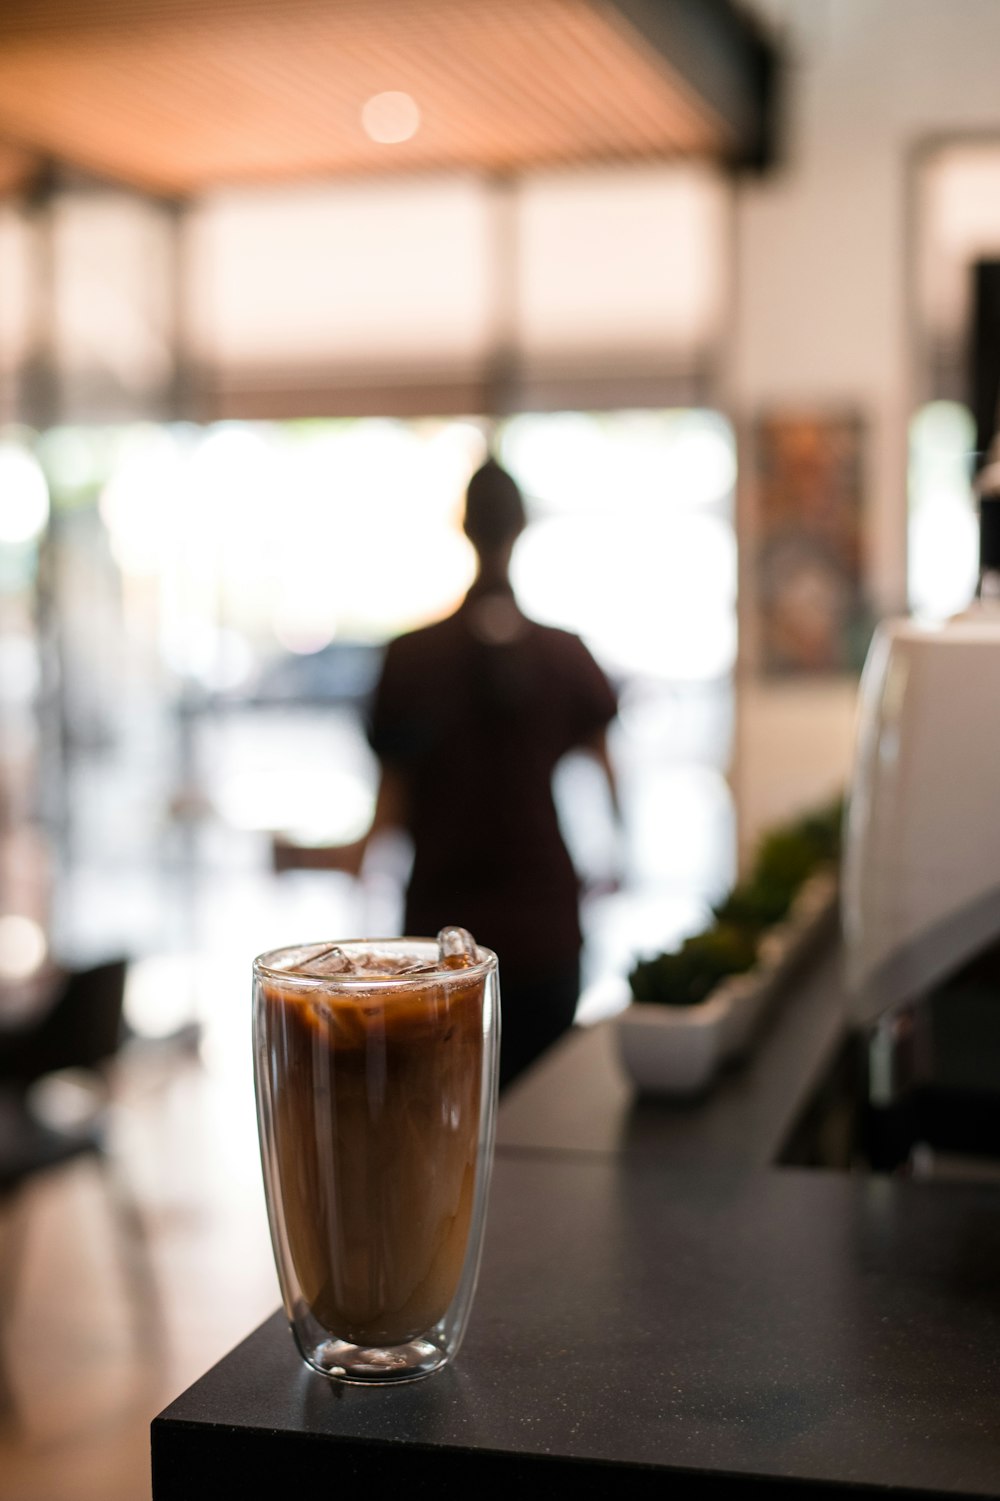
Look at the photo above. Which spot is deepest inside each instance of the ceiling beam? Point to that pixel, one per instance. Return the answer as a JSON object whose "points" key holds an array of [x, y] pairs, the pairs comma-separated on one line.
{"points": [[724, 58]]}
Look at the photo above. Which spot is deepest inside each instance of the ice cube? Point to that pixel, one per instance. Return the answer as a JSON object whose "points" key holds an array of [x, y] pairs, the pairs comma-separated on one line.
{"points": [[457, 948], [340, 1024], [328, 960], [382, 966]]}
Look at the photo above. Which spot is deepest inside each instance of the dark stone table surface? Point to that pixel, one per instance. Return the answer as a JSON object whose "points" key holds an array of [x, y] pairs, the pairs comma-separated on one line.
{"points": [[578, 1099], [659, 1306], [637, 1327]]}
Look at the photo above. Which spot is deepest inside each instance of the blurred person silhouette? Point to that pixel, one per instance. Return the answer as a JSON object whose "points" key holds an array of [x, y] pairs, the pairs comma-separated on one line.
{"points": [[470, 719]]}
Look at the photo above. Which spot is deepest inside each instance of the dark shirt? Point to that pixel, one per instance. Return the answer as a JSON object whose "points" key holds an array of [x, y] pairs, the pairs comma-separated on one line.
{"points": [[474, 713]]}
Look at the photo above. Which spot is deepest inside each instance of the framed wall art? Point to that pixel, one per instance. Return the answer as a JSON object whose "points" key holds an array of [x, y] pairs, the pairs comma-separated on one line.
{"points": [[813, 614]]}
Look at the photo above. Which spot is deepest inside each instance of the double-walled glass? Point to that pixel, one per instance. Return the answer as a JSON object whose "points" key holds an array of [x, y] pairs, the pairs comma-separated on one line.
{"points": [[376, 1101]]}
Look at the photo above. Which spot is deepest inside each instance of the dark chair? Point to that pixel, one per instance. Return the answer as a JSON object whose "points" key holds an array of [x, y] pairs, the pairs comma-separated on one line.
{"points": [[81, 1030]]}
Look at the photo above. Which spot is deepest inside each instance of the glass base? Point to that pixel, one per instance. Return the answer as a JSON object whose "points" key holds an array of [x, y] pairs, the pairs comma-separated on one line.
{"points": [[367, 1365]]}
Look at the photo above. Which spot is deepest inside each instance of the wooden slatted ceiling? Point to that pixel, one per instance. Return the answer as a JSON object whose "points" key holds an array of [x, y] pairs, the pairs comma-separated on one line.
{"points": [[179, 96]]}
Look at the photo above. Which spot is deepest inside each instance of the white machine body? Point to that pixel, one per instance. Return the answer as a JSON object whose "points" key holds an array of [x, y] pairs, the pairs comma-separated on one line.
{"points": [[921, 880]]}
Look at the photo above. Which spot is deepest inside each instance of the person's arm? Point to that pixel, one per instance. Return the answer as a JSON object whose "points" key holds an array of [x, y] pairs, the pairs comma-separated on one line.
{"points": [[597, 747]]}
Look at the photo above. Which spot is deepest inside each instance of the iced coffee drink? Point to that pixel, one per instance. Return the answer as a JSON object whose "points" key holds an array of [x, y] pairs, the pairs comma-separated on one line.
{"points": [[376, 1084]]}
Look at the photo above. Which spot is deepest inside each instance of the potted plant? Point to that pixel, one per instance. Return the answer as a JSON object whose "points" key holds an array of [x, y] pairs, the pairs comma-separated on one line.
{"points": [[699, 1005]]}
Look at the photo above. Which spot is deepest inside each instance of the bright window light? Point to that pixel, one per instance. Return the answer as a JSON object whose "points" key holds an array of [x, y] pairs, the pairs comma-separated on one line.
{"points": [[655, 598], [140, 503], [632, 546], [943, 527], [24, 495], [22, 946], [317, 796]]}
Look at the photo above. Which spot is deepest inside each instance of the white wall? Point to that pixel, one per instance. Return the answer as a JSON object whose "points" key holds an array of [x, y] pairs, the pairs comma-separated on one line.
{"points": [[822, 316]]}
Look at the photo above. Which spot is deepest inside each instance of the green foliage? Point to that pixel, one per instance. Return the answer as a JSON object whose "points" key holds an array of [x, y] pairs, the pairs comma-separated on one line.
{"points": [[754, 904], [686, 977], [787, 856]]}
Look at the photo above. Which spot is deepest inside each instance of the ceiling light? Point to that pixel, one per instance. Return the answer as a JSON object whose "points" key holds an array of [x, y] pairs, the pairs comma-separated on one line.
{"points": [[390, 118]]}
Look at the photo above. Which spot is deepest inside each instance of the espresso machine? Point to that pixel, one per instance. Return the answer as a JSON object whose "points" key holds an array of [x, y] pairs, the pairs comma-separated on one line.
{"points": [[921, 876]]}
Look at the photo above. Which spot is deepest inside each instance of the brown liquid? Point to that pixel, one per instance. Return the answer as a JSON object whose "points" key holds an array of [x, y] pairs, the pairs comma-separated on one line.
{"points": [[376, 1124]]}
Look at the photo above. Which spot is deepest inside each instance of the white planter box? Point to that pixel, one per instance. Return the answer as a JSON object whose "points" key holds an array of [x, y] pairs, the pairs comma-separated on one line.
{"points": [[677, 1050]]}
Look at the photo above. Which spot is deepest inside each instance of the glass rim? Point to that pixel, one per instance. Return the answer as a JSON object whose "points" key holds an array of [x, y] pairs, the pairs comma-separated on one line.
{"points": [[265, 969]]}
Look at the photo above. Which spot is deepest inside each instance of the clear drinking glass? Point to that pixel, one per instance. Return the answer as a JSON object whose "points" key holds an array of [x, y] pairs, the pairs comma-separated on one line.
{"points": [[376, 1101]]}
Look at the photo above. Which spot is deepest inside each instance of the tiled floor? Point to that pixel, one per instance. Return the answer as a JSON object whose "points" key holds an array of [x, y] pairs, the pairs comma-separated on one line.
{"points": [[104, 1329]]}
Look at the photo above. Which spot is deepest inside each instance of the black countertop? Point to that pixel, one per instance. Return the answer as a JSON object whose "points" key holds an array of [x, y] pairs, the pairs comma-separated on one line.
{"points": [[660, 1305], [578, 1099], [637, 1327]]}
